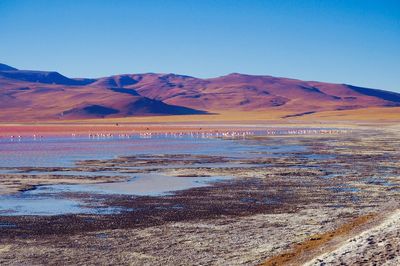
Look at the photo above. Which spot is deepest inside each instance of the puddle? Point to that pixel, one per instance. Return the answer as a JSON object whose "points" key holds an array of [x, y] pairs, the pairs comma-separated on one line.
{"points": [[51, 199], [102, 235], [277, 150], [329, 176], [378, 182], [7, 225], [319, 156], [139, 185], [344, 189], [33, 204]]}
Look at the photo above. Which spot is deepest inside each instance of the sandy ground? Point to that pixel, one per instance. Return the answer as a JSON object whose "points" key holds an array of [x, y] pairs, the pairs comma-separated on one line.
{"points": [[226, 241], [379, 245]]}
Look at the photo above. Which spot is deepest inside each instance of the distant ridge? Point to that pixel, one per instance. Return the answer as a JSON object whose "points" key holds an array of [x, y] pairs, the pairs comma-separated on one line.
{"points": [[4, 67], [43, 77], [30, 94]]}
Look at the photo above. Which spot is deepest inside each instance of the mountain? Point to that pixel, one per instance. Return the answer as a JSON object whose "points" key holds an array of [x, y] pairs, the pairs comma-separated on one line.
{"points": [[33, 95], [40, 95], [249, 93], [45, 77], [4, 67]]}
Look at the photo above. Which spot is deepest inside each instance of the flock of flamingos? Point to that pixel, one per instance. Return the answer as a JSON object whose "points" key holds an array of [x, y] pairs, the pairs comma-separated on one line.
{"points": [[198, 134]]}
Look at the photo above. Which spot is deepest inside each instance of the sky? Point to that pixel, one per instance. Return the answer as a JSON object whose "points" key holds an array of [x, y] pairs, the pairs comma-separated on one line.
{"points": [[349, 41]]}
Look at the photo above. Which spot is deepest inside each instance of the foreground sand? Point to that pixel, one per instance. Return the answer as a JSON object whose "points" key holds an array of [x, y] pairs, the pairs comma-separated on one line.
{"points": [[378, 245]]}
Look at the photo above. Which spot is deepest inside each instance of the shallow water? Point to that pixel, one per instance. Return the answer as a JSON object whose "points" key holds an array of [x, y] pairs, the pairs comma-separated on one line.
{"points": [[34, 204], [140, 185], [344, 189], [64, 152], [379, 181], [7, 225], [52, 200]]}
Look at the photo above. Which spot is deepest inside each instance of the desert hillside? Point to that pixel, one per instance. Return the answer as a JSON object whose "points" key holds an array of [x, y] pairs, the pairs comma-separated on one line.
{"points": [[43, 95]]}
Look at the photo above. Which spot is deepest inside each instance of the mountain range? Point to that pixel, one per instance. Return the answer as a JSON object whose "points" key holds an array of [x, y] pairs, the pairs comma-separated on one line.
{"points": [[48, 95]]}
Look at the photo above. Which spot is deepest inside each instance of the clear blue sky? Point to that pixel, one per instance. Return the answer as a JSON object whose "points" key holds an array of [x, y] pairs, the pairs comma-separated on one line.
{"points": [[356, 42]]}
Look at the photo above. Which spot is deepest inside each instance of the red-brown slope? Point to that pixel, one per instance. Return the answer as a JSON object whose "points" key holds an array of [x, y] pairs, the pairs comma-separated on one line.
{"points": [[246, 92], [48, 95], [26, 100]]}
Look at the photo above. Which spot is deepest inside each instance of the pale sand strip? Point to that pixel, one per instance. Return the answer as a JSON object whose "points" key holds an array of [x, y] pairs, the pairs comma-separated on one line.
{"points": [[379, 245]]}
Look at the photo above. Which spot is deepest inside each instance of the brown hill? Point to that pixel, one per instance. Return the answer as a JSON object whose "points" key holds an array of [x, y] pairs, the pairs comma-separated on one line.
{"points": [[248, 93], [53, 96], [32, 95]]}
